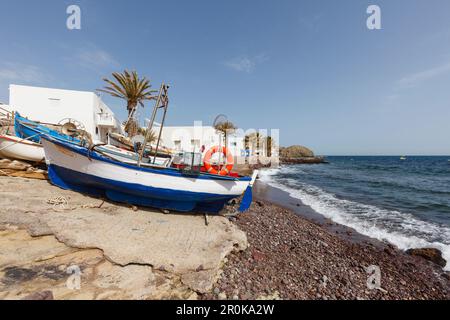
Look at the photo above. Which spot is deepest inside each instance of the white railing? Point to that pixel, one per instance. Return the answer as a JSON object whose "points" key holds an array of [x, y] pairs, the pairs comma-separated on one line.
{"points": [[105, 119]]}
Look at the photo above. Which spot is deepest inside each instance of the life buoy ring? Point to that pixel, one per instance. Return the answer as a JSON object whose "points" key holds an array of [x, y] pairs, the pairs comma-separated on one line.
{"points": [[209, 167]]}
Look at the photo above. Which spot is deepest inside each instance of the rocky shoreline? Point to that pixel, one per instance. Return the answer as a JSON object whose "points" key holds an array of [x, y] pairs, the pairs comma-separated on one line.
{"points": [[290, 257], [303, 160], [299, 155]]}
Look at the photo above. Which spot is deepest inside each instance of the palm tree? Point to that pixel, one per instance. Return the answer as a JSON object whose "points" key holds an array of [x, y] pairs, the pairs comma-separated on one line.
{"points": [[131, 126], [226, 127], [129, 87], [269, 145]]}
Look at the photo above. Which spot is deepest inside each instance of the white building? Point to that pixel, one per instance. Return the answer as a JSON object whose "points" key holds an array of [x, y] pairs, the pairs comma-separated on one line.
{"points": [[192, 138], [58, 106]]}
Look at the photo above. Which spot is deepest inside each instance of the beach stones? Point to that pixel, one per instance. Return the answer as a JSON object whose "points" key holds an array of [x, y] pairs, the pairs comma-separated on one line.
{"points": [[258, 256]]}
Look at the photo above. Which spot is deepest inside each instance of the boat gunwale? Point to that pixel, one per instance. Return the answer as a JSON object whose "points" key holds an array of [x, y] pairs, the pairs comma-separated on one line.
{"points": [[20, 140], [37, 128]]}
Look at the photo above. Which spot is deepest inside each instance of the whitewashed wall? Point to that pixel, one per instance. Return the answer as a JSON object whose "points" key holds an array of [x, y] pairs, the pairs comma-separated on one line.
{"points": [[53, 105], [186, 138]]}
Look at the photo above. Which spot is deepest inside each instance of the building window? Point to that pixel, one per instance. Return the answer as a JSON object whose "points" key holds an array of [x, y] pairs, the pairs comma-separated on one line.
{"points": [[54, 102], [195, 143], [177, 144]]}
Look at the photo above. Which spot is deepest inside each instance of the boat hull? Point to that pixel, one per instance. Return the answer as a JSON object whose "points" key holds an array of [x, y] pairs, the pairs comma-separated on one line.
{"points": [[73, 167], [16, 148]]}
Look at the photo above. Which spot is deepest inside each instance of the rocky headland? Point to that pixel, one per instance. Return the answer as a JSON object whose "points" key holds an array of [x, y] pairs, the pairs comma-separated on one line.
{"points": [[299, 155]]}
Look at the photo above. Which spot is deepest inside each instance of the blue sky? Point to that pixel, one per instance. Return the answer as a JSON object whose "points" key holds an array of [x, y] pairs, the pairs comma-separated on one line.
{"points": [[309, 68]]}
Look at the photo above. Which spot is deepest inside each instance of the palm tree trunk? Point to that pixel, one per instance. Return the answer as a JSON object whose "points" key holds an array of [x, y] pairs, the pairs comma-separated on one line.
{"points": [[131, 125], [131, 107], [226, 140], [257, 147]]}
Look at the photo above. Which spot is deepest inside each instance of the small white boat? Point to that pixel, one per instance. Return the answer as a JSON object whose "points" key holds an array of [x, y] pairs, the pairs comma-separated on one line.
{"points": [[125, 143], [120, 141], [16, 148], [402, 158]]}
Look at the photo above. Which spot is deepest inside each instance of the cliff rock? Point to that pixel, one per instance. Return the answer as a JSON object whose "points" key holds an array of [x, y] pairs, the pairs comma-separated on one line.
{"points": [[295, 152]]}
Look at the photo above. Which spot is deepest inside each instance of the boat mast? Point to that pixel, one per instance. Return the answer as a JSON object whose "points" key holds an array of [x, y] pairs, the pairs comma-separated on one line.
{"points": [[165, 105], [161, 102]]}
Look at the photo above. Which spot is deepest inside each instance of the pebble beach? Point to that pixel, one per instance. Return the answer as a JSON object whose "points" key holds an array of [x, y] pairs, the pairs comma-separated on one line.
{"points": [[291, 257]]}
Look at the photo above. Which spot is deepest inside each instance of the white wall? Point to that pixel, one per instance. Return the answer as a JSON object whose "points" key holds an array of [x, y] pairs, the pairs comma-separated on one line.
{"points": [[198, 135], [101, 109], [236, 145], [53, 105]]}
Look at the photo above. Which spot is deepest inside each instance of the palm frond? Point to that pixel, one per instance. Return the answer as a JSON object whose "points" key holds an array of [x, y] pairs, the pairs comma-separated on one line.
{"points": [[225, 127], [130, 87]]}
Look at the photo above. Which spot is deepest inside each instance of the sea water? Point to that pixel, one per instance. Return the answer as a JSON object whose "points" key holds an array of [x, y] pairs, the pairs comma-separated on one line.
{"points": [[404, 202]]}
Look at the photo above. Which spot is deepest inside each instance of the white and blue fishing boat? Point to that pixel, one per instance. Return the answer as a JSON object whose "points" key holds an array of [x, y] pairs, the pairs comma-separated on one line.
{"points": [[77, 168], [86, 170]]}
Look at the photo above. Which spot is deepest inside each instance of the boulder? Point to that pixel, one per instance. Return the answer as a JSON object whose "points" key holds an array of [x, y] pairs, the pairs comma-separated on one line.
{"points": [[296, 152], [431, 254]]}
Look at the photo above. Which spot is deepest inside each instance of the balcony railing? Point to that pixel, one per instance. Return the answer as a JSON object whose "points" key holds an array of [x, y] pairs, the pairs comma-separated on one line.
{"points": [[105, 120]]}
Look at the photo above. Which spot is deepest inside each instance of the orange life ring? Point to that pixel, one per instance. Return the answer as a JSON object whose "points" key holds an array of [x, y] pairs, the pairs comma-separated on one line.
{"points": [[226, 169]]}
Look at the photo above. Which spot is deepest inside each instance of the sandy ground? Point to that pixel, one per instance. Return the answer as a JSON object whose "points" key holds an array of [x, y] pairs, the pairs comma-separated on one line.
{"points": [[121, 253]]}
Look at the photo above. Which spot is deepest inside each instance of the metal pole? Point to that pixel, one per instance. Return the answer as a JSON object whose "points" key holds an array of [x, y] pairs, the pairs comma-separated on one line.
{"points": [[166, 103], [150, 125], [220, 151]]}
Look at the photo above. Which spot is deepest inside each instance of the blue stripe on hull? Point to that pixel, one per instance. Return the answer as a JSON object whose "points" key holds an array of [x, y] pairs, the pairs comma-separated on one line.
{"points": [[27, 133], [136, 194]]}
